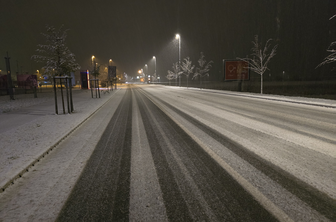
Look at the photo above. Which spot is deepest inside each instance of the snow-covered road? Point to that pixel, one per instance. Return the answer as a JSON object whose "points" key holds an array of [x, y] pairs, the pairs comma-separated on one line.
{"points": [[283, 154]]}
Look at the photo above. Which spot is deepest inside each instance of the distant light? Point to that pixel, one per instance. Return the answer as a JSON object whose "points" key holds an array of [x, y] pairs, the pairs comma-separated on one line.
{"points": [[177, 36], [145, 64], [154, 57], [139, 71]]}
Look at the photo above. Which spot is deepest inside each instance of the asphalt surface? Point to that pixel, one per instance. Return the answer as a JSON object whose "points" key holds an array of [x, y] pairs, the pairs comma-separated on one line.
{"points": [[183, 155], [102, 192], [194, 187]]}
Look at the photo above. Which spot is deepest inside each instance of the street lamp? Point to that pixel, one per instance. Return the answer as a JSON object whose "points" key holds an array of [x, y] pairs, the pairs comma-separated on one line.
{"points": [[110, 62], [155, 67], [93, 63], [146, 68], [177, 36]]}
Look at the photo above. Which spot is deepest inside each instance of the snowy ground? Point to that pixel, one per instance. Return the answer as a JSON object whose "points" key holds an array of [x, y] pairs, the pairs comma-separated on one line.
{"points": [[23, 100], [21, 144], [24, 143], [29, 127], [283, 143], [299, 143]]}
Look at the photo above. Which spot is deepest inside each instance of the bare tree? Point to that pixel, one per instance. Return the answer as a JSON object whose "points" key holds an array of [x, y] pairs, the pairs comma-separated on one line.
{"points": [[203, 69], [175, 73], [260, 58], [96, 70], [55, 54], [332, 50], [187, 68]]}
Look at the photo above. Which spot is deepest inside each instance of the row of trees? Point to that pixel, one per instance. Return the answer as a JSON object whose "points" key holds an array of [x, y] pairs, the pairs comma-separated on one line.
{"points": [[261, 55], [258, 61], [186, 68], [60, 61]]}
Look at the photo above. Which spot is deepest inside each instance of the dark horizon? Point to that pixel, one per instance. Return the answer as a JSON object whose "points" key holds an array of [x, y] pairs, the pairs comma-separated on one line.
{"points": [[131, 33]]}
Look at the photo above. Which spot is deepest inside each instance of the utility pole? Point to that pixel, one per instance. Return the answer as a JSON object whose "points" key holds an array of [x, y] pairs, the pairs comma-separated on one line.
{"points": [[9, 78]]}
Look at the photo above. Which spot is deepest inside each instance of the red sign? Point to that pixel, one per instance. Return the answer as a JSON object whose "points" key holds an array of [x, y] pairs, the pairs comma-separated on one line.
{"points": [[27, 81], [236, 70]]}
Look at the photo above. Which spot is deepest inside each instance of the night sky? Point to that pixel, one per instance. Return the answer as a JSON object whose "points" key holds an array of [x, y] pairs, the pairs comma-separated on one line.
{"points": [[132, 32]]}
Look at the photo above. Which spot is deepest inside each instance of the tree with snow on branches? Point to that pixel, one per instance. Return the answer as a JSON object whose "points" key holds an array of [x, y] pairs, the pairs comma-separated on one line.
{"points": [[332, 50], [203, 69], [56, 56], [187, 68], [175, 73], [261, 57]]}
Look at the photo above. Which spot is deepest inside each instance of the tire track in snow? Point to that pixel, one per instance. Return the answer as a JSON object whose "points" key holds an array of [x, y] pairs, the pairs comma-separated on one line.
{"points": [[103, 190], [207, 191], [313, 197]]}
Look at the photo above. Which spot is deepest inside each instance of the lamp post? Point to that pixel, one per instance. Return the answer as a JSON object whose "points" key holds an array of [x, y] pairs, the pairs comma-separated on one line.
{"points": [[93, 63], [146, 74], [154, 67], [177, 36], [94, 73]]}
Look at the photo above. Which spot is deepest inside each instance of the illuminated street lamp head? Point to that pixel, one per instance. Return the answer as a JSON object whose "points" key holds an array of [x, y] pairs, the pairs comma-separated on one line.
{"points": [[177, 36], [154, 57], [93, 57], [139, 71]]}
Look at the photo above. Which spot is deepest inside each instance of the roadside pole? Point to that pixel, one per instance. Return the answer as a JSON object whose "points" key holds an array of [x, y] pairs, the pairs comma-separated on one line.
{"points": [[9, 78]]}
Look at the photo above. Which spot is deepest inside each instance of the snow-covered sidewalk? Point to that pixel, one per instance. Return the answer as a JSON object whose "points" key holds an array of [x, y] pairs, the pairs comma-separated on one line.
{"points": [[29, 128]]}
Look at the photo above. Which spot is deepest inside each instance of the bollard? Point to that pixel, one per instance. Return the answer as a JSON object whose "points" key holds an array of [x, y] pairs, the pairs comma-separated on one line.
{"points": [[71, 102], [55, 93]]}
